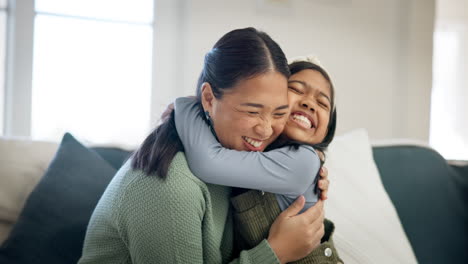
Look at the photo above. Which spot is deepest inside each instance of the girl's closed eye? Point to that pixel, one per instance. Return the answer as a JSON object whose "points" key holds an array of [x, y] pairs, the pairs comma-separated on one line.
{"points": [[295, 89], [323, 104]]}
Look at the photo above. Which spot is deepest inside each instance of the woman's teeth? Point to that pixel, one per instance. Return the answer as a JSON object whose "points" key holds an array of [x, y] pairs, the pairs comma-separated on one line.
{"points": [[252, 142], [302, 119]]}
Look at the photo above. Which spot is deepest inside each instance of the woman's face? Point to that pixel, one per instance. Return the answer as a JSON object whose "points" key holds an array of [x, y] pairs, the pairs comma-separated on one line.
{"points": [[310, 102], [252, 114]]}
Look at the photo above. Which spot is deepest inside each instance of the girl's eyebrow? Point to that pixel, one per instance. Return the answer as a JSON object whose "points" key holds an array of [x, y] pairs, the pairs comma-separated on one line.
{"points": [[261, 106], [310, 87]]}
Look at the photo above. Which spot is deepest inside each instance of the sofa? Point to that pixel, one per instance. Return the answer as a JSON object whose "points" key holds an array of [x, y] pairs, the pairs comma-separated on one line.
{"points": [[48, 192]]}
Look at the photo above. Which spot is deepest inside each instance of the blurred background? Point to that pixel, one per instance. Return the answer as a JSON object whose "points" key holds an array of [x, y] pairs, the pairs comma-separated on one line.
{"points": [[104, 70]]}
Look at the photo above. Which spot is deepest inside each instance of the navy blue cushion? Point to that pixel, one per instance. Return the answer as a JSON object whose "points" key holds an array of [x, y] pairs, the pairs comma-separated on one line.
{"points": [[52, 225], [116, 157]]}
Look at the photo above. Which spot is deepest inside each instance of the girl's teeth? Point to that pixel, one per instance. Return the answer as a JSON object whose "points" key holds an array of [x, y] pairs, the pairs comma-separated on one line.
{"points": [[253, 142], [303, 120]]}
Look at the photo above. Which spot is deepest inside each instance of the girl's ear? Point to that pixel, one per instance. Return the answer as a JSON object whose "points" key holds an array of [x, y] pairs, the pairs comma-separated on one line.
{"points": [[207, 97]]}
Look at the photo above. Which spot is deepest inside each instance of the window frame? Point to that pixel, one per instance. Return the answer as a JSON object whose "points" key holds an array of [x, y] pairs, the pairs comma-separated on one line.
{"points": [[3, 10], [18, 76], [19, 61]]}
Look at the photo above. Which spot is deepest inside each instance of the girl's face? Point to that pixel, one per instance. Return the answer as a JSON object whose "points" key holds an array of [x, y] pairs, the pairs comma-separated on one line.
{"points": [[310, 103], [252, 114]]}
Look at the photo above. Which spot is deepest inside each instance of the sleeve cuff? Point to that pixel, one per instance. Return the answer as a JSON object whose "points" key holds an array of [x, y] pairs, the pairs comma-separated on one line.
{"points": [[262, 253], [326, 252]]}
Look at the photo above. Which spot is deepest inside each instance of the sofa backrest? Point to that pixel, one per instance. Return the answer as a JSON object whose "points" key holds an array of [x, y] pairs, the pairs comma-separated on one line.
{"points": [[430, 198], [22, 164]]}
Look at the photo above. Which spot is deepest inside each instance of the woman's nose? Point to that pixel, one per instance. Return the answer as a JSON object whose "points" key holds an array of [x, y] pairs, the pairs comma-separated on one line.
{"points": [[264, 129]]}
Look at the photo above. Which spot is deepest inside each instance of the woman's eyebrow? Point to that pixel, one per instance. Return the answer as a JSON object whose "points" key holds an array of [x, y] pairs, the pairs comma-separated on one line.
{"points": [[310, 87], [262, 106], [282, 107]]}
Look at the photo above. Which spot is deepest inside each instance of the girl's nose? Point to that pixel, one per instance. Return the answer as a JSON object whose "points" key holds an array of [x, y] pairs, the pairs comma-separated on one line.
{"points": [[309, 105]]}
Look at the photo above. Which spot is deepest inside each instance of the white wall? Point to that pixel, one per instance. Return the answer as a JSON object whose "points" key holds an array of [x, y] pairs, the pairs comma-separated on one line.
{"points": [[379, 52]]}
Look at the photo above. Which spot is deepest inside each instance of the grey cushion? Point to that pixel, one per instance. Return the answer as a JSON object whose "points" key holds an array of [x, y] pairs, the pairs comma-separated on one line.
{"points": [[52, 225], [429, 201]]}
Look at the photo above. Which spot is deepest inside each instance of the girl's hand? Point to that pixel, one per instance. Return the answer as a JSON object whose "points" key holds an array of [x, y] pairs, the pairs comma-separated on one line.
{"points": [[323, 183], [293, 236]]}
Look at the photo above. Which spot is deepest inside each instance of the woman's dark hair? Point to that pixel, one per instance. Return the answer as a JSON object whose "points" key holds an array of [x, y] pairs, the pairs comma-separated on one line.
{"points": [[294, 68], [239, 55]]}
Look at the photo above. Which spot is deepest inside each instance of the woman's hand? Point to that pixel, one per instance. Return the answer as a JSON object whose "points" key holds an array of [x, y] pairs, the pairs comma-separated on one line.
{"points": [[293, 236], [323, 183]]}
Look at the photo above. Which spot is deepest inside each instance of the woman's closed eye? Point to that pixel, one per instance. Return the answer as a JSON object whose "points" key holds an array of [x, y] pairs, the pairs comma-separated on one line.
{"points": [[279, 115]]}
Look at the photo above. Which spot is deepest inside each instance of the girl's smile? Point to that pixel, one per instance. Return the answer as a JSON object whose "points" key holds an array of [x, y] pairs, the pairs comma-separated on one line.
{"points": [[302, 119], [309, 98]]}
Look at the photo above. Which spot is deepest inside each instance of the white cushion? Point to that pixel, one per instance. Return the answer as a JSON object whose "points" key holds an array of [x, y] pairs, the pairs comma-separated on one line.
{"points": [[22, 164], [368, 229]]}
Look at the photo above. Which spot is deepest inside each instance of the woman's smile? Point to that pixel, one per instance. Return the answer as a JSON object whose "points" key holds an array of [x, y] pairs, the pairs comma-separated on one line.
{"points": [[253, 144]]}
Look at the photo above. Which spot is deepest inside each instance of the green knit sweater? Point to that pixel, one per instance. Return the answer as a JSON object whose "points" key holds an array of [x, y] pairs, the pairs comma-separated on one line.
{"points": [[180, 219]]}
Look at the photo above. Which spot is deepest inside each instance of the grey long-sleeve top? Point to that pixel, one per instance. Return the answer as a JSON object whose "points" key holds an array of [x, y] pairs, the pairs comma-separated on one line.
{"points": [[285, 171]]}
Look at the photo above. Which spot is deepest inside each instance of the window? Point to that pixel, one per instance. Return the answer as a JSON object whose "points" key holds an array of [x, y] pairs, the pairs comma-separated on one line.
{"points": [[449, 109], [449, 133], [92, 70], [3, 31]]}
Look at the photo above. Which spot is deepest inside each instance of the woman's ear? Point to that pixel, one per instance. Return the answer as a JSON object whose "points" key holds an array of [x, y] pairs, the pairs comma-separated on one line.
{"points": [[207, 97]]}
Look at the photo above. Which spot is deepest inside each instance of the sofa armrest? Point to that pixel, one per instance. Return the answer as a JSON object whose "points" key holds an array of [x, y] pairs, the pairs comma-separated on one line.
{"points": [[460, 178], [430, 198]]}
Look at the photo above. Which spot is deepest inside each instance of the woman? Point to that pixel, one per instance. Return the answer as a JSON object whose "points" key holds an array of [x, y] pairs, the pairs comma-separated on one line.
{"points": [[287, 171], [156, 211]]}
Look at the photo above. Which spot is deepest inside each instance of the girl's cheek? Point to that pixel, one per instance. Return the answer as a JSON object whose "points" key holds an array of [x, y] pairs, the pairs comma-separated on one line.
{"points": [[279, 126], [292, 98]]}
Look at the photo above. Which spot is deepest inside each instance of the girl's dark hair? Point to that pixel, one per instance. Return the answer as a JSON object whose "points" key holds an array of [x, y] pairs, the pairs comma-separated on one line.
{"points": [[294, 68], [239, 55]]}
